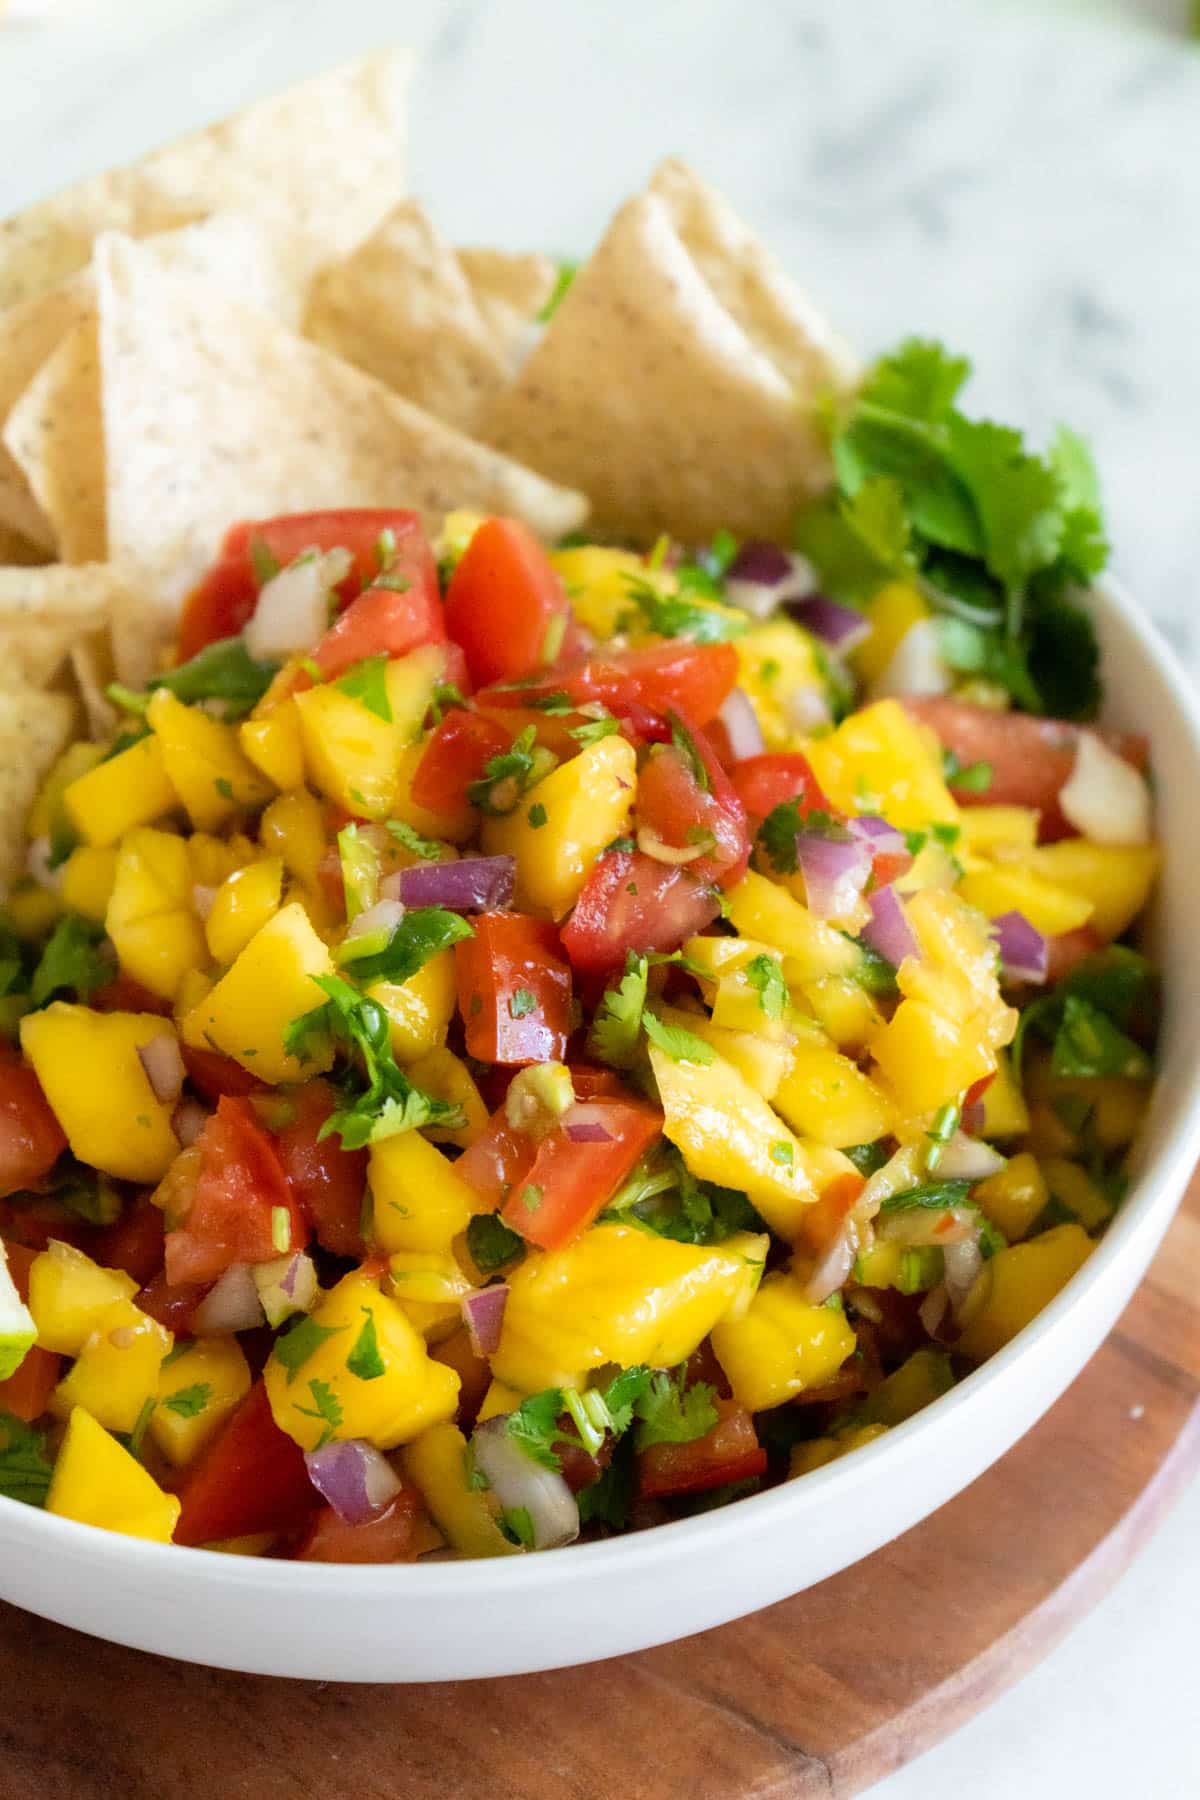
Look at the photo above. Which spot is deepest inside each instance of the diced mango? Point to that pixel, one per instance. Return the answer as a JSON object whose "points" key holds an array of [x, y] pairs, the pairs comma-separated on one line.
{"points": [[197, 1391], [729, 1134], [430, 1288], [826, 1097], [87, 880], [922, 1378], [584, 804], [1006, 887], [128, 790], [269, 986], [1074, 1188], [597, 583], [242, 905], [418, 1201], [498, 1399], [293, 828], [367, 1376], [116, 1372], [69, 1293], [275, 746], [420, 1009], [1005, 1113], [844, 1008], [986, 829], [761, 1060], [781, 675], [214, 859], [782, 1345], [1013, 1287], [1110, 1108], [31, 910], [617, 1295], [97, 1482], [739, 971], [352, 754], [1014, 1197], [436, 1463], [203, 761], [811, 949], [893, 612], [881, 760], [47, 815], [1116, 878], [150, 918], [819, 1451], [446, 1077], [88, 1065]]}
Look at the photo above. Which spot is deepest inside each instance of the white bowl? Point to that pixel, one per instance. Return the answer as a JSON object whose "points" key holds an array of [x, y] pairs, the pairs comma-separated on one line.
{"points": [[444, 1621]]}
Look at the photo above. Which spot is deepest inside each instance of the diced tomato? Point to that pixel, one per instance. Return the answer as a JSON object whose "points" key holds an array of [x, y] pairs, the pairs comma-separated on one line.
{"points": [[31, 1138], [26, 1393], [499, 1158], [474, 1373], [1030, 759], [684, 806], [251, 1478], [387, 1539], [514, 990], [384, 621], [134, 1242], [175, 1306], [568, 1183], [229, 1217], [506, 605], [20, 1259], [327, 1181], [590, 1083], [214, 1075], [455, 756], [124, 994], [35, 1222], [579, 1467], [678, 676], [1069, 948], [631, 902], [225, 600], [729, 1452], [767, 781]]}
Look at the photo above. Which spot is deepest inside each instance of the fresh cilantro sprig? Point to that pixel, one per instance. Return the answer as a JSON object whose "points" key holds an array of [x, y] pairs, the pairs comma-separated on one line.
{"points": [[617, 1022], [366, 682], [422, 934], [659, 1403], [507, 775], [1089, 1017], [427, 849], [765, 975], [694, 611], [223, 671], [784, 824], [77, 959], [25, 1467], [676, 1041]]}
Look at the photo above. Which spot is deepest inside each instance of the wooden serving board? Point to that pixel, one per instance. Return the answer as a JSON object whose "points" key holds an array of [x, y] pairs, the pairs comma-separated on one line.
{"points": [[820, 1695]]}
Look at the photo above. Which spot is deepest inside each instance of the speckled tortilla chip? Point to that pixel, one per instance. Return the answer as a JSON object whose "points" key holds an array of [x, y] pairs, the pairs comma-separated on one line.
{"points": [[55, 436], [44, 612], [34, 730], [213, 413], [327, 155], [402, 308], [17, 550], [678, 383], [510, 291]]}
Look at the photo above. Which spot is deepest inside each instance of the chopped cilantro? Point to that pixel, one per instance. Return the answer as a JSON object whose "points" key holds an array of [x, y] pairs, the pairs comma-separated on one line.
{"points": [[676, 1042], [562, 282], [532, 1197], [422, 933], [188, 1402], [516, 1524], [593, 730], [975, 778], [428, 849], [617, 1023], [364, 1359], [607, 1500], [367, 682], [74, 961], [537, 815], [765, 976], [679, 615], [141, 1424], [783, 825], [670, 1413], [1087, 1043], [521, 1003], [25, 1467], [223, 671], [492, 1244], [782, 1152], [445, 695], [685, 744], [534, 1426], [1117, 984], [326, 1406], [224, 788], [507, 774], [304, 1339], [933, 1196]]}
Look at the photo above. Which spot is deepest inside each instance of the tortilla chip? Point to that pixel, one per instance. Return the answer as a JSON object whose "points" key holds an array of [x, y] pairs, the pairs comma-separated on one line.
{"points": [[34, 731], [213, 413], [679, 381], [92, 667], [20, 513], [55, 436], [327, 155], [16, 550], [401, 309], [43, 612], [510, 291]]}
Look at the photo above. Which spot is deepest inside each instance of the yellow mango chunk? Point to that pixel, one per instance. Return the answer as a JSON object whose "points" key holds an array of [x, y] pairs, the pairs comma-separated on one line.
{"points": [[352, 754], [1009, 888], [826, 1097], [597, 583], [242, 905], [986, 829], [779, 671], [583, 805], [430, 1288], [214, 859], [1005, 1113], [740, 971], [87, 1063], [728, 1134], [762, 1061], [498, 1399], [97, 1482], [275, 746], [760, 909], [271, 983], [367, 1374], [1014, 1197], [1116, 878], [1074, 1188], [818, 1451], [293, 828], [69, 1294], [418, 1201], [420, 1009], [87, 881], [446, 1077], [203, 761], [922, 1378], [128, 790], [32, 910], [844, 1009], [1015, 1284], [893, 612], [117, 1369], [150, 917], [436, 1464], [1115, 1105], [781, 1345], [881, 760], [197, 1391], [617, 1295]]}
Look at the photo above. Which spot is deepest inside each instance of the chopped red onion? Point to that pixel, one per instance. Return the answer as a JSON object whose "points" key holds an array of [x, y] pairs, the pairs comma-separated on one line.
{"points": [[835, 871], [965, 1158], [287, 1285], [876, 832], [231, 1305], [834, 1266], [483, 1315], [1024, 952], [963, 1262], [584, 1123], [472, 884], [188, 1121], [384, 916], [162, 1060], [762, 576], [741, 726], [843, 628], [888, 931], [354, 1477], [293, 607], [517, 1480]]}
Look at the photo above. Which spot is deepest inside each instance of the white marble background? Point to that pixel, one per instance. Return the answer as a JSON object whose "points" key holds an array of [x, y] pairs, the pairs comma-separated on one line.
{"points": [[1021, 181]]}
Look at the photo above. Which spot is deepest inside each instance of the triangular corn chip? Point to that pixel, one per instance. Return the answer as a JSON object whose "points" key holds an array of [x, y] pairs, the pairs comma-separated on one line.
{"points": [[45, 612], [327, 155], [510, 291], [213, 413], [679, 382], [55, 436], [34, 730]]}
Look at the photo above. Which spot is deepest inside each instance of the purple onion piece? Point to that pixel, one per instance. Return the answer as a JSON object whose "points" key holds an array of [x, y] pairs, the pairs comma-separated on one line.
{"points": [[767, 565], [585, 1123], [588, 1134], [354, 1477], [876, 832], [841, 627], [472, 884], [483, 1316], [763, 576], [888, 931], [835, 871], [1024, 952]]}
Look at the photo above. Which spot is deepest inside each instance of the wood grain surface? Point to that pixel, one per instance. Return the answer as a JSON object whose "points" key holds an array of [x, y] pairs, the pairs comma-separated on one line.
{"points": [[820, 1695]]}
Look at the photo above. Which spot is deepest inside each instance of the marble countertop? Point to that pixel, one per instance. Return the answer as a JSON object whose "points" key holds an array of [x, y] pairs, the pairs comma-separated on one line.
{"points": [[1022, 183]]}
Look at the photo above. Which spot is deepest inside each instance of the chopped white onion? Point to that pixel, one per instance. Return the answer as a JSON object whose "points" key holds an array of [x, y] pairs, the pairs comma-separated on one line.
{"points": [[516, 1480], [293, 607], [385, 915], [933, 1310], [1105, 797], [807, 709], [188, 1121], [232, 1305], [916, 666], [966, 1158], [163, 1062], [741, 724], [834, 1266], [963, 1263]]}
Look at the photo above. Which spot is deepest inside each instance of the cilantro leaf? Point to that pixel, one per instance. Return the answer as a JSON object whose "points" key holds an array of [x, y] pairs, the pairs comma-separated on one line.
{"points": [[364, 1359], [422, 933], [534, 1426], [622, 1395], [516, 1523], [920, 379], [607, 1500], [366, 682], [766, 978], [685, 744], [326, 1406], [562, 282], [304, 1339], [188, 1402], [679, 615], [507, 774], [492, 1244], [521, 1003], [1088, 1043], [223, 671], [670, 1413], [74, 960], [783, 825], [617, 1023], [1017, 498], [428, 849], [933, 1196], [676, 1042], [25, 1468], [593, 730]]}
